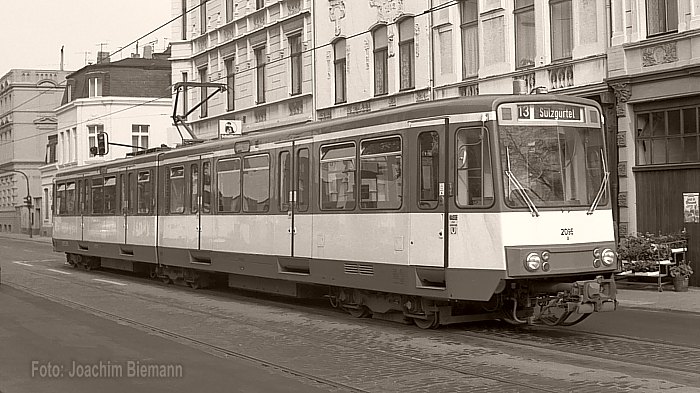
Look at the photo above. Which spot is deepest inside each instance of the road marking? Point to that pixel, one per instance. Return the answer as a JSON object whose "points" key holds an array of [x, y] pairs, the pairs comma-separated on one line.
{"points": [[58, 271], [22, 263], [108, 282]]}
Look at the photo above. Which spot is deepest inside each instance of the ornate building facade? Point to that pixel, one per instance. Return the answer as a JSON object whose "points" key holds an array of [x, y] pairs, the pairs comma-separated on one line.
{"points": [[27, 101], [654, 63], [261, 51]]}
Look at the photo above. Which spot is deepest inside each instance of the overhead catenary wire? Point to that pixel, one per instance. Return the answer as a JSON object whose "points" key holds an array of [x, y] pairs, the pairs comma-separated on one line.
{"points": [[226, 75]]}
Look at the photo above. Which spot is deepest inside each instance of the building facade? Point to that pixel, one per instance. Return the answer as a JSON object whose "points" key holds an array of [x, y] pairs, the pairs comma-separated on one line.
{"points": [[259, 50], [654, 62], [27, 101], [129, 100]]}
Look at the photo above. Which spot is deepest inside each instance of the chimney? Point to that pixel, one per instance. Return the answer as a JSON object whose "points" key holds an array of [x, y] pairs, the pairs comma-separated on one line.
{"points": [[147, 52], [102, 57], [61, 57]]}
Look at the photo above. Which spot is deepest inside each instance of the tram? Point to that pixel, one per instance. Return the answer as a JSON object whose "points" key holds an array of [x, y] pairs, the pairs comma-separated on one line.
{"points": [[484, 207]]}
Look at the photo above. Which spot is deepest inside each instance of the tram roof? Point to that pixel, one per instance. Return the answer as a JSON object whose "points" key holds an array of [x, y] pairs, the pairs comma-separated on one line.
{"points": [[422, 110]]}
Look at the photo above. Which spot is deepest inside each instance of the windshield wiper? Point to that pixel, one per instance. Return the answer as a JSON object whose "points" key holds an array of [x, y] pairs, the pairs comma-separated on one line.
{"points": [[519, 187], [603, 185]]}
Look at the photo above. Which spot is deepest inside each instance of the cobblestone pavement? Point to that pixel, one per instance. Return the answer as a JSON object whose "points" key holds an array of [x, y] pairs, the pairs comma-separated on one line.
{"points": [[369, 355]]}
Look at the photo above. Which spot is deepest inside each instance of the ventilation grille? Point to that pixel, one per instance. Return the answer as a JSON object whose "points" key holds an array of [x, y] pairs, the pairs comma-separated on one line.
{"points": [[356, 268]]}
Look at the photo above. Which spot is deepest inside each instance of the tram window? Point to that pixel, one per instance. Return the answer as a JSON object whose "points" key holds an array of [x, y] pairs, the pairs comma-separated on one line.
{"points": [[302, 164], [194, 188], [131, 180], [228, 177], [97, 196], [338, 177], [206, 187], [144, 192], [123, 193], [429, 159], [61, 199], [473, 168], [256, 183], [86, 197], [70, 198], [285, 176], [110, 195], [380, 173], [80, 202], [176, 183]]}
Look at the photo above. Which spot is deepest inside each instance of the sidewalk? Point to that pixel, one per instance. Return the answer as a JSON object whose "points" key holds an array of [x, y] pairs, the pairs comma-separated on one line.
{"points": [[639, 297]]}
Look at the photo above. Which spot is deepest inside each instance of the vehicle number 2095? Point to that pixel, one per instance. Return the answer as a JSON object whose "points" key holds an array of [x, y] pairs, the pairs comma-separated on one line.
{"points": [[567, 231]]}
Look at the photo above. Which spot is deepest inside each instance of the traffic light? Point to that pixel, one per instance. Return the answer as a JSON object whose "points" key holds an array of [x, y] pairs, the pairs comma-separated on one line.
{"points": [[28, 200], [102, 144]]}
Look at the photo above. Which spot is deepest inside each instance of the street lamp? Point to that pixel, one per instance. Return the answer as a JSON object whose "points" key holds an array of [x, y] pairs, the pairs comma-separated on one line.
{"points": [[27, 199]]}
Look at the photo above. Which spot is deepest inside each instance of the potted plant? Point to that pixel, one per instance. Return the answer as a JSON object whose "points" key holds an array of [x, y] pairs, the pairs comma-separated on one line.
{"points": [[681, 274]]}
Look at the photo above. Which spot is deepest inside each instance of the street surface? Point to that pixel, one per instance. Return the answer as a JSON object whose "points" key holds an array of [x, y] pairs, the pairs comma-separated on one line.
{"points": [[227, 340]]}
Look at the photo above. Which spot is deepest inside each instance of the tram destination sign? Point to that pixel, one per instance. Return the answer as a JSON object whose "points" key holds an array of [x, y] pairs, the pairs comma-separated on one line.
{"points": [[549, 112]]}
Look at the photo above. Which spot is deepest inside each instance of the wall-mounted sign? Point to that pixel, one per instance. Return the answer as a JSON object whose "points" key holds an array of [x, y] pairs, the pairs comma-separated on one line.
{"points": [[691, 211], [230, 128]]}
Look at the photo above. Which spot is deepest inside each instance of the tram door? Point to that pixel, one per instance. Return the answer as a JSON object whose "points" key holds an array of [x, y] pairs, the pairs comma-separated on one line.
{"points": [[428, 242], [295, 198], [200, 201]]}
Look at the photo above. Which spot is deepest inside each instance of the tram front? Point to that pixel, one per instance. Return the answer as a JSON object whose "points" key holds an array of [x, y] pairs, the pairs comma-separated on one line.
{"points": [[557, 222]]}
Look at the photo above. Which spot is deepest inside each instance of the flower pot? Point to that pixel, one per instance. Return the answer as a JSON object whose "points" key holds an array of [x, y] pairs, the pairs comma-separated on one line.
{"points": [[680, 284]]}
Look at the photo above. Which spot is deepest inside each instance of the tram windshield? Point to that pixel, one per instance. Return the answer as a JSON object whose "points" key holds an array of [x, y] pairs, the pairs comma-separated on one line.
{"points": [[553, 166]]}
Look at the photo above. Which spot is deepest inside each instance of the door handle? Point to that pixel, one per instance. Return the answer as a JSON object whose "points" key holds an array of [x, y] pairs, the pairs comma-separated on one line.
{"points": [[441, 235]]}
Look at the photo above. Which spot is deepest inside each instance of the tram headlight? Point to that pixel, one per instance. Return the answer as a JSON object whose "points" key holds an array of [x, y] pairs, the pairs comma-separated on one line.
{"points": [[532, 261], [608, 257]]}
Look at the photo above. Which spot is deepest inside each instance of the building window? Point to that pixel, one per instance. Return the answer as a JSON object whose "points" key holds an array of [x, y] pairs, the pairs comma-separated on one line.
{"points": [[94, 87], [69, 92], [562, 29], [51, 149], [381, 61], [524, 33], [662, 16], [259, 4], [295, 62], [229, 10], [92, 134], [406, 54], [203, 15], [203, 93], [139, 136], [230, 79], [470, 38], [260, 73], [339, 70], [668, 136]]}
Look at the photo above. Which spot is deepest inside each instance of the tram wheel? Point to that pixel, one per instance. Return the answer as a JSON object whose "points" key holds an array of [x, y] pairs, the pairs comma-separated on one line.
{"points": [[196, 284], [166, 280], [431, 322]]}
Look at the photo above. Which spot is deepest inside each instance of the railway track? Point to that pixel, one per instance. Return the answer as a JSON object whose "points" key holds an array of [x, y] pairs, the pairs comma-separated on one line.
{"points": [[453, 366], [500, 383]]}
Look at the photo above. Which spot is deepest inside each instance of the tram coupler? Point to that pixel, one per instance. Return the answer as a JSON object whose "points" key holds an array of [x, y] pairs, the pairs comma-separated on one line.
{"points": [[583, 297]]}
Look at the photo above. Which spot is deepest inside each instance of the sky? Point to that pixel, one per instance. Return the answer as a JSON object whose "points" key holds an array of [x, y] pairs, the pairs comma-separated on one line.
{"points": [[33, 31]]}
